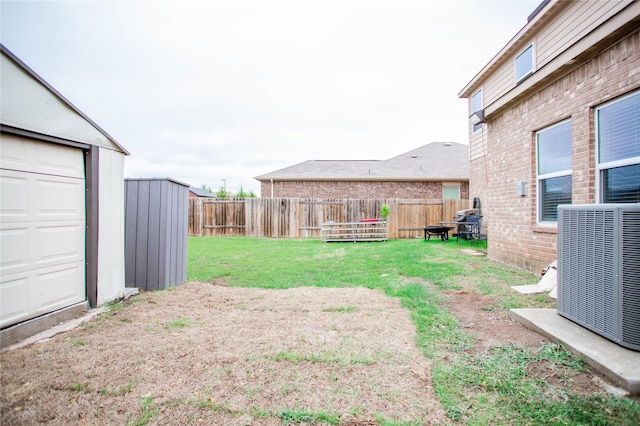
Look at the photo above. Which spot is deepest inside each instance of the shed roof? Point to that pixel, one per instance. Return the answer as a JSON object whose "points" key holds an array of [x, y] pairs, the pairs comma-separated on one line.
{"points": [[437, 161], [200, 192], [31, 105]]}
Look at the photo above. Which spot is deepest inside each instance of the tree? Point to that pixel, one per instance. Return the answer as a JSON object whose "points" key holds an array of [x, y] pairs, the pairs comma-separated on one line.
{"points": [[222, 193], [243, 194]]}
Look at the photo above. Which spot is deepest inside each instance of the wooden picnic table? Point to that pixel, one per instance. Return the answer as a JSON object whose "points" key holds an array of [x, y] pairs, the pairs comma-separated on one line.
{"points": [[366, 230]]}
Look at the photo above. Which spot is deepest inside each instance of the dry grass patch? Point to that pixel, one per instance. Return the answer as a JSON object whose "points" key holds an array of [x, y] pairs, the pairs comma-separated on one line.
{"points": [[210, 354]]}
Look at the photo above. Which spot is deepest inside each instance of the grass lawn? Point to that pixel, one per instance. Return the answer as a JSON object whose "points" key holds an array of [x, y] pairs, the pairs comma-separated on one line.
{"points": [[494, 387]]}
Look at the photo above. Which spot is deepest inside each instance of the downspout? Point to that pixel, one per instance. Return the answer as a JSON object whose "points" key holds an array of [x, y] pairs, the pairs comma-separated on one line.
{"points": [[271, 188]]}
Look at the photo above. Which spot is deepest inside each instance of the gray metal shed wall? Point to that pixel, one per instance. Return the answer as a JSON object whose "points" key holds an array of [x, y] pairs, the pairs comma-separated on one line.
{"points": [[155, 233]]}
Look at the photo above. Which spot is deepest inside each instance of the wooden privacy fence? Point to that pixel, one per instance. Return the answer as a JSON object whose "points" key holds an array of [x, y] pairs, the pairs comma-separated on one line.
{"points": [[303, 217]]}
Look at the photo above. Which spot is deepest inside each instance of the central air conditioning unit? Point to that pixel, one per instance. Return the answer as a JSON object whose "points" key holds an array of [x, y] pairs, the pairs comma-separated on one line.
{"points": [[599, 269]]}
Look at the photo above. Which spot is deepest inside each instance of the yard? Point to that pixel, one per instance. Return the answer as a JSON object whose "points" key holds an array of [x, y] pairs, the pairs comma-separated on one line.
{"points": [[297, 331]]}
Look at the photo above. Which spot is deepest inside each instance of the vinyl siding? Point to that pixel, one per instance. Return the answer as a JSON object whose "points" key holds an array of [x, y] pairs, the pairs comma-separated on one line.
{"points": [[569, 27], [566, 29]]}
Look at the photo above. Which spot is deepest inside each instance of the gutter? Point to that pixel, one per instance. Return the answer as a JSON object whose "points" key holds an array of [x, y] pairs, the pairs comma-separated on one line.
{"points": [[360, 179]]}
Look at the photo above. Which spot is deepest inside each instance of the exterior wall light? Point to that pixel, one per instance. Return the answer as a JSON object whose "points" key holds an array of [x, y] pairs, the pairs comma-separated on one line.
{"points": [[477, 117]]}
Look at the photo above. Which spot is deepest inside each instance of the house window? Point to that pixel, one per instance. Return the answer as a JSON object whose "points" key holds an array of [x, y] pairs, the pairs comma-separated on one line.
{"points": [[524, 64], [618, 142], [451, 192], [476, 105], [554, 170]]}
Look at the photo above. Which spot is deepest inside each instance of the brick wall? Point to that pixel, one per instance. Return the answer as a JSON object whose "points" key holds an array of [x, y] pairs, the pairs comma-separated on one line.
{"points": [[365, 190], [509, 143]]}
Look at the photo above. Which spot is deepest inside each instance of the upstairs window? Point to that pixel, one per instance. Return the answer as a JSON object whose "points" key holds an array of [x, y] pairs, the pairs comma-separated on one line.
{"points": [[553, 146], [524, 64], [618, 141], [451, 192], [476, 105]]}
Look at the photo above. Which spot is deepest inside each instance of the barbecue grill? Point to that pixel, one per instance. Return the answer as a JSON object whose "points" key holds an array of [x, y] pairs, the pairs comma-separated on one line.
{"points": [[469, 223]]}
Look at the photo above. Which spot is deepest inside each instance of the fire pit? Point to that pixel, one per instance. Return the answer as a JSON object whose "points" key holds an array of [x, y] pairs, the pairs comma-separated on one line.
{"points": [[440, 230]]}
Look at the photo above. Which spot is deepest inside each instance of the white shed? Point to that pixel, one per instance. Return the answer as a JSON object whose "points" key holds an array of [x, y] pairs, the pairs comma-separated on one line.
{"points": [[61, 208]]}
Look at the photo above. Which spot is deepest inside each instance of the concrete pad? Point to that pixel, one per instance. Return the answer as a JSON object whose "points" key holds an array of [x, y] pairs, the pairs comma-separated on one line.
{"points": [[16, 333], [59, 328], [472, 252], [529, 289], [620, 365]]}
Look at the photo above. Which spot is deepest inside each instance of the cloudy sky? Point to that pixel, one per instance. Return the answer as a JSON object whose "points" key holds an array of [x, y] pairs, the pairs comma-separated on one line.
{"points": [[218, 92]]}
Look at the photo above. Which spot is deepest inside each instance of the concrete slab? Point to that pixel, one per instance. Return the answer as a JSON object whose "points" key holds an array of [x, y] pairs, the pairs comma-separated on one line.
{"points": [[473, 252], [16, 333], [59, 328], [620, 365]]}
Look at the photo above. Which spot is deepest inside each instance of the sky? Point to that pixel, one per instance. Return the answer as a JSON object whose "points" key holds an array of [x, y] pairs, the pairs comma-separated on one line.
{"points": [[219, 92]]}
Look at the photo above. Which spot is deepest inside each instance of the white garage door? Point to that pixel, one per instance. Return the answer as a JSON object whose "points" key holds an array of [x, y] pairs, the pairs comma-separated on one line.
{"points": [[42, 228]]}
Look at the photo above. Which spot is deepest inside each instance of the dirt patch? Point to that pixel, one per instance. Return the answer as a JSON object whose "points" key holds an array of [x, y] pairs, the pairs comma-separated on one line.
{"points": [[491, 327], [495, 327], [209, 354]]}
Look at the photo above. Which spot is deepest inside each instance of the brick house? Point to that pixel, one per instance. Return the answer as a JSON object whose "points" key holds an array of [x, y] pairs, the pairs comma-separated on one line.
{"points": [[434, 171], [555, 119]]}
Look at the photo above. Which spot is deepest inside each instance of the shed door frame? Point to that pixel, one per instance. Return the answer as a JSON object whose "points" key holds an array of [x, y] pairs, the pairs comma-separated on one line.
{"points": [[91, 171]]}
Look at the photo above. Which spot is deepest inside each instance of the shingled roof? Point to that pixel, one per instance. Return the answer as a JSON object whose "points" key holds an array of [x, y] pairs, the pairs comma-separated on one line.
{"points": [[437, 161]]}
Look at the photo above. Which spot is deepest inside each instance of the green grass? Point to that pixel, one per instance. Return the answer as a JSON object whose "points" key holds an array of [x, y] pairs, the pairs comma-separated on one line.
{"points": [[341, 309], [149, 410], [180, 323], [120, 391], [328, 358], [79, 387], [289, 416], [495, 387]]}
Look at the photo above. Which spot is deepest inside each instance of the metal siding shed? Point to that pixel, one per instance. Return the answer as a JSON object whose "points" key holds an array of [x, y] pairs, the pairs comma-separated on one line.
{"points": [[155, 233], [40, 128]]}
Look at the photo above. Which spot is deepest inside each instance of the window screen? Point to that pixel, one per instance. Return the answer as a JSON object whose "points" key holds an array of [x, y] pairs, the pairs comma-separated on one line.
{"points": [[619, 150], [621, 184], [554, 149], [554, 191], [524, 63], [554, 170], [476, 105]]}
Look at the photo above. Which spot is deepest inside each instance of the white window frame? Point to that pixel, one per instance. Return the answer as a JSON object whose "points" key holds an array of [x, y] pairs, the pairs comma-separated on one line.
{"points": [[531, 48], [476, 127], [545, 176], [610, 164]]}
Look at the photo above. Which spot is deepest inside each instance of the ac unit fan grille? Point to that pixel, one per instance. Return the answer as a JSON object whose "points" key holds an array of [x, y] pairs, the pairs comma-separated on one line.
{"points": [[589, 267]]}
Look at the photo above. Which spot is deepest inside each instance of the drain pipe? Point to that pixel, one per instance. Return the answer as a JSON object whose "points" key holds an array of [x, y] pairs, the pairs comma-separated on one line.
{"points": [[271, 188]]}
